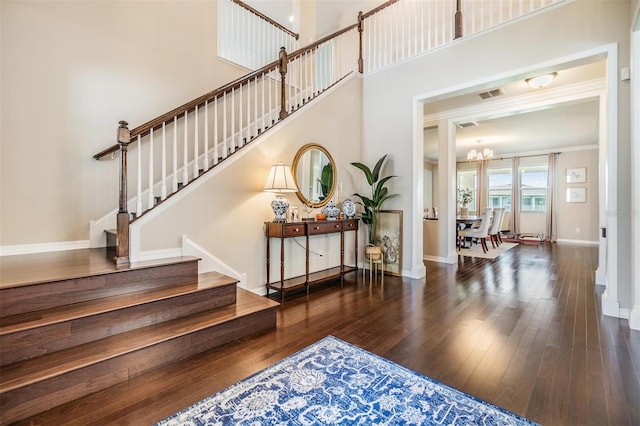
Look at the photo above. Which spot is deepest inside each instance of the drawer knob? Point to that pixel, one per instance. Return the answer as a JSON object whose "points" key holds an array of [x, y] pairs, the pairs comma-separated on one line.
{"points": [[337, 226], [317, 227], [296, 229]]}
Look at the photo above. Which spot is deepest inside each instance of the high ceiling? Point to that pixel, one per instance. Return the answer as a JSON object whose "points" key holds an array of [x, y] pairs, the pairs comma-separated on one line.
{"points": [[542, 126]]}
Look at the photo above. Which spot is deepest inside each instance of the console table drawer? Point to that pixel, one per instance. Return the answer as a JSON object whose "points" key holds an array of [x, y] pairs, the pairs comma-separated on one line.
{"points": [[293, 230], [350, 225], [285, 230], [324, 227]]}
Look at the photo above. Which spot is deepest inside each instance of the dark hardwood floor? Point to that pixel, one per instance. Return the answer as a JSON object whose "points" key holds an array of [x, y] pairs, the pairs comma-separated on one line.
{"points": [[523, 331]]}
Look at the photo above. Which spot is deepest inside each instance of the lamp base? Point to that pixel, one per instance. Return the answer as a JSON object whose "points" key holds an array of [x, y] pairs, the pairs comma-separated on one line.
{"points": [[280, 205]]}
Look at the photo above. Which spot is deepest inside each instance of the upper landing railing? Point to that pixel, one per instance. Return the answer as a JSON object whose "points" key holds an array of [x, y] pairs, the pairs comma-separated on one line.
{"points": [[174, 149], [249, 38]]}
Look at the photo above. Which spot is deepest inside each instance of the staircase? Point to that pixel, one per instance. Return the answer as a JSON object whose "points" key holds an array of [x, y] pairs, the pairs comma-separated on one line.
{"points": [[72, 323]]}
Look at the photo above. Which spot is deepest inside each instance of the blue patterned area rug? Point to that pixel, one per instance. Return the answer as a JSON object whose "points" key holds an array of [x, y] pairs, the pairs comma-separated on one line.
{"points": [[333, 382]]}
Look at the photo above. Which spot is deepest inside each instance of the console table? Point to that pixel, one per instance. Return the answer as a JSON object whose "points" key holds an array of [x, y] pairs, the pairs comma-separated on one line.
{"points": [[283, 230]]}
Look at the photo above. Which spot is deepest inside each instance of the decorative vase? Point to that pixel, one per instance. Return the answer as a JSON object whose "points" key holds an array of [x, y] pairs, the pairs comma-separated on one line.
{"points": [[331, 210], [280, 205], [464, 212]]}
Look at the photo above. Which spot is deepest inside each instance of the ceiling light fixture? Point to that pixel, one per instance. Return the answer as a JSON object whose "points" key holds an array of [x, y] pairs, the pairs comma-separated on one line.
{"points": [[541, 80], [480, 154]]}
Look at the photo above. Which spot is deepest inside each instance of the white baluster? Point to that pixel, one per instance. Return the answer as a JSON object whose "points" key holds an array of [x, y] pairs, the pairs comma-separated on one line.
{"points": [[224, 125], [196, 143], [255, 103], [216, 154], [270, 82], [185, 158], [139, 189], [249, 133], [233, 120], [240, 122], [175, 155], [402, 28], [151, 200], [263, 95], [163, 167], [421, 26], [205, 165]]}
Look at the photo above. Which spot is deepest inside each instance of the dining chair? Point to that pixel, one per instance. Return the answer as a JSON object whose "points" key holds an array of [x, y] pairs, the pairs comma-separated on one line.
{"points": [[481, 233], [496, 224]]}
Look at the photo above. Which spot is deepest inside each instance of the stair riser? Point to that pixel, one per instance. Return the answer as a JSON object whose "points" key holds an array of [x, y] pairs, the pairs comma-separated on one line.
{"points": [[29, 400], [17, 300], [39, 341]]}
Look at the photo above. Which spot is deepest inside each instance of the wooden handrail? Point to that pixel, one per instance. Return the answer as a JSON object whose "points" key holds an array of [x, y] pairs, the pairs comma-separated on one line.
{"points": [[379, 8], [315, 44], [266, 18]]}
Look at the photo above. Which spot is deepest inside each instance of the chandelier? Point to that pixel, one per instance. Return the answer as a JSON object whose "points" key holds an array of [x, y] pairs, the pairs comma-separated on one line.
{"points": [[480, 154]]}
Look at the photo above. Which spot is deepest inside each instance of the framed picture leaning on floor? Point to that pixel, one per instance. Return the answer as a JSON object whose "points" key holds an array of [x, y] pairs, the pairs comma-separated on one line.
{"points": [[389, 238]]}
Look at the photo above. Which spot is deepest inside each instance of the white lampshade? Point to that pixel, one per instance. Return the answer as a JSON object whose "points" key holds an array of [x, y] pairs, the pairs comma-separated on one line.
{"points": [[280, 179], [480, 155]]}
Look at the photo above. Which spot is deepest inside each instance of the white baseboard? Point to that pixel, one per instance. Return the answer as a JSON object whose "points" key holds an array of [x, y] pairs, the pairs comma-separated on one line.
{"points": [[43, 247], [580, 242], [260, 291], [439, 259], [634, 318], [209, 262], [611, 308], [159, 254], [419, 271]]}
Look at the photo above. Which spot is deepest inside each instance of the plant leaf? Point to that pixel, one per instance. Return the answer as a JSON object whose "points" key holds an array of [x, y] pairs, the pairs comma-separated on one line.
{"points": [[367, 172], [376, 169]]}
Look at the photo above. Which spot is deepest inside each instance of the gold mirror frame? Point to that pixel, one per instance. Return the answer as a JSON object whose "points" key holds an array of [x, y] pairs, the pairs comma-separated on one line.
{"points": [[297, 161]]}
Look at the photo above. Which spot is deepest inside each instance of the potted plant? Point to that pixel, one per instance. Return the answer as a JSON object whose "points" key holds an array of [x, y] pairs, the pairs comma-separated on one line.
{"points": [[465, 198], [379, 194]]}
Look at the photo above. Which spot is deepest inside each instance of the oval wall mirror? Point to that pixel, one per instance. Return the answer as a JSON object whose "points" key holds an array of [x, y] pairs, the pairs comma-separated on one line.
{"points": [[314, 173]]}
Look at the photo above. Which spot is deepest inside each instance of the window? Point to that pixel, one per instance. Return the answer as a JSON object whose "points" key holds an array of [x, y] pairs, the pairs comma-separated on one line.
{"points": [[533, 188], [469, 179], [500, 185]]}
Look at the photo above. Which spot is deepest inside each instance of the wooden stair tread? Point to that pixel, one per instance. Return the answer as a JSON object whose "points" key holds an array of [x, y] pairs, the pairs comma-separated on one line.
{"points": [[30, 320], [34, 370], [18, 270]]}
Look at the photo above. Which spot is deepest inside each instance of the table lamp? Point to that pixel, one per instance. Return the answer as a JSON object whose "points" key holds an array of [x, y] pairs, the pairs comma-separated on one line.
{"points": [[280, 180]]}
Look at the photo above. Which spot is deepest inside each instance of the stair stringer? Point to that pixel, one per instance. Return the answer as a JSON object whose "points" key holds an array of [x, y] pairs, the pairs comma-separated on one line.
{"points": [[209, 262]]}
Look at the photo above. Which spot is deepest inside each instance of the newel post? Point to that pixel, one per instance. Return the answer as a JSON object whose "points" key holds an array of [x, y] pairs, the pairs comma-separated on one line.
{"points": [[283, 88], [458, 21], [360, 30], [122, 249]]}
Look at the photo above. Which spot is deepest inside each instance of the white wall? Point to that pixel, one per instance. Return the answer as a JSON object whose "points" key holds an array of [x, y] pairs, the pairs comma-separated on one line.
{"points": [[558, 32], [578, 222], [70, 71]]}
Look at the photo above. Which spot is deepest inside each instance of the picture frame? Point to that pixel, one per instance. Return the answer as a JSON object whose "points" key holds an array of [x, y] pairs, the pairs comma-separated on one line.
{"points": [[576, 195], [576, 175], [294, 214], [389, 238]]}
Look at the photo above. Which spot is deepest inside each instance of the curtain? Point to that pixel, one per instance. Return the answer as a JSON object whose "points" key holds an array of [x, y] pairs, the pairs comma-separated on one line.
{"points": [[515, 193], [483, 182], [552, 222]]}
